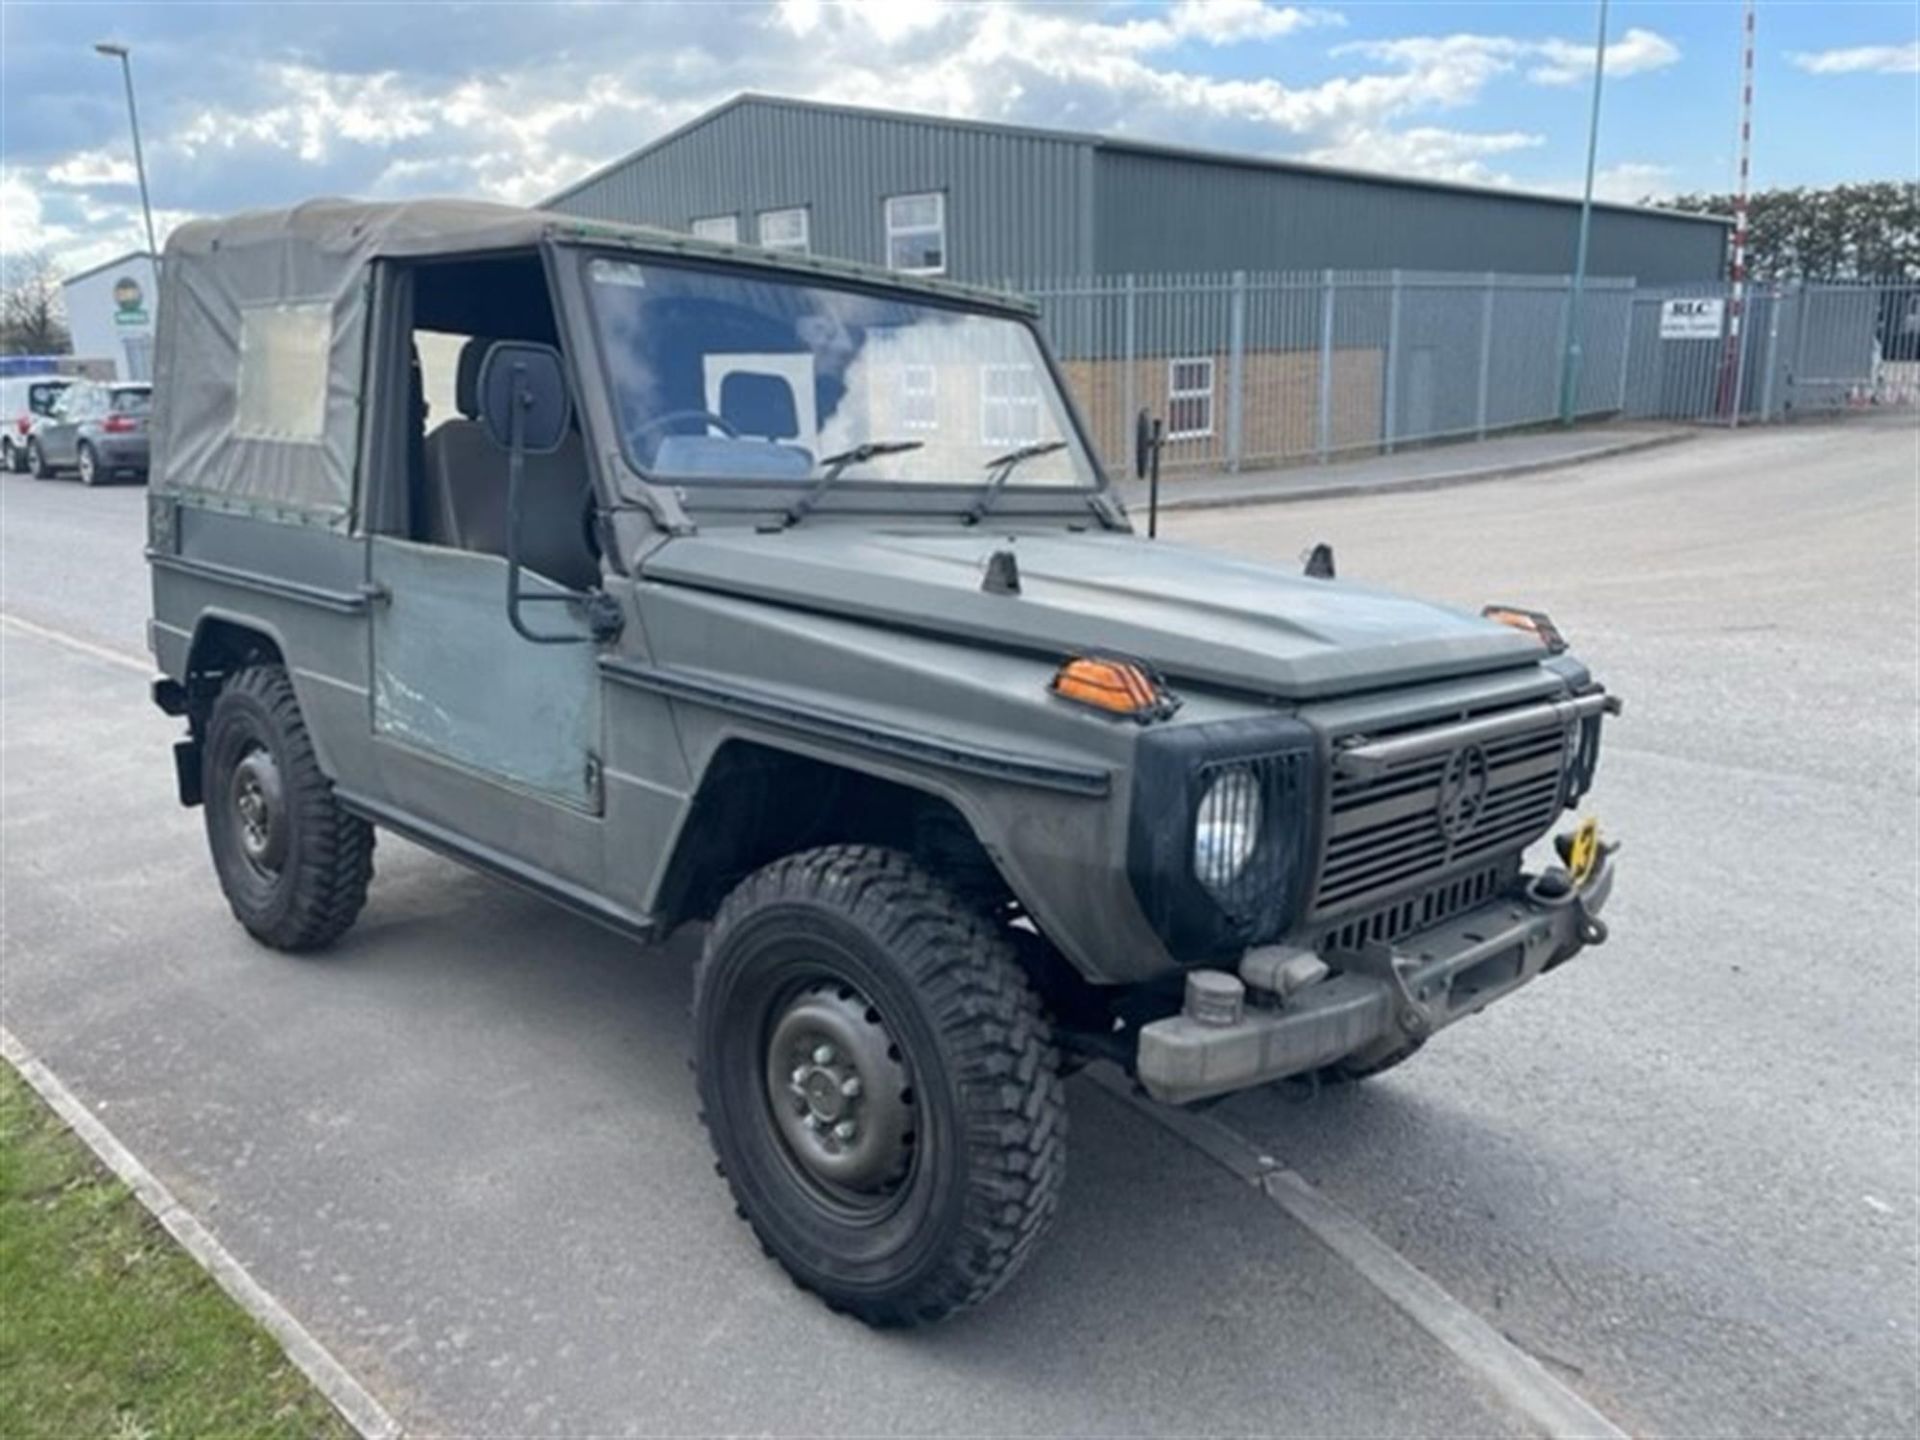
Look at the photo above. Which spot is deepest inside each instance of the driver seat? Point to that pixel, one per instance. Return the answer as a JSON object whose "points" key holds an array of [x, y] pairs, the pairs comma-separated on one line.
{"points": [[466, 490]]}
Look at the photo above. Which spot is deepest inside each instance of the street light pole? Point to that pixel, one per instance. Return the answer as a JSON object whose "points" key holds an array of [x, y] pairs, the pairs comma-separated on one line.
{"points": [[109, 49], [1570, 362]]}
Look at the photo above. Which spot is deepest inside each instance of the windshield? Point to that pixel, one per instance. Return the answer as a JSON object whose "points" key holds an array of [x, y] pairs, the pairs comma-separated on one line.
{"points": [[732, 375]]}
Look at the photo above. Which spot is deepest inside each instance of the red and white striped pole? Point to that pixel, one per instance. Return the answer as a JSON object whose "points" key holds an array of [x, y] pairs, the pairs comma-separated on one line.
{"points": [[1733, 359]]}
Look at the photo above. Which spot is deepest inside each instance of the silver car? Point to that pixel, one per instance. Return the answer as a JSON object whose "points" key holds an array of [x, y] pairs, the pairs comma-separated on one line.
{"points": [[97, 430]]}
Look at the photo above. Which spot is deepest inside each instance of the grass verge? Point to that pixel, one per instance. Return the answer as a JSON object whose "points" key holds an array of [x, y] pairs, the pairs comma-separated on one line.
{"points": [[107, 1328]]}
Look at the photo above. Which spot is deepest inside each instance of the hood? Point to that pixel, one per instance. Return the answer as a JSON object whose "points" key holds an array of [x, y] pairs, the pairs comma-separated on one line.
{"points": [[1196, 614]]}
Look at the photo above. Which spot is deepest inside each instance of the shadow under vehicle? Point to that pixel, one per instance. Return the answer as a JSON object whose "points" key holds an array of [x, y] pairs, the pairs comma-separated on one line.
{"points": [[678, 581]]}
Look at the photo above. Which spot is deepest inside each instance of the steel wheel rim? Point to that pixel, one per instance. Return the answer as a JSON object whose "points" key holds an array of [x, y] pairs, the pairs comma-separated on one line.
{"points": [[852, 1146], [259, 809]]}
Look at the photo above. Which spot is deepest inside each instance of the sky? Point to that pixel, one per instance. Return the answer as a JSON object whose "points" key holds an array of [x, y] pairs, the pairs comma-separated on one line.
{"points": [[248, 105]]}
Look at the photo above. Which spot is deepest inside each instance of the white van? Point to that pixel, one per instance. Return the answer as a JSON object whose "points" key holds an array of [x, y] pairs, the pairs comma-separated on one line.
{"points": [[24, 399]]}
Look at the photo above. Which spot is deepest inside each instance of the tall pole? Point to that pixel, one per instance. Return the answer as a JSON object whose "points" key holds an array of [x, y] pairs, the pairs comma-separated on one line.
{"points": [[1733, 356], [133, 119], [1570, 363]]}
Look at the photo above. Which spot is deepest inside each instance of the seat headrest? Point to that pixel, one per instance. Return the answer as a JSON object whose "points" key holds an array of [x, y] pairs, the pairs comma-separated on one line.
{"points": [[466, 376], [758, 404]]}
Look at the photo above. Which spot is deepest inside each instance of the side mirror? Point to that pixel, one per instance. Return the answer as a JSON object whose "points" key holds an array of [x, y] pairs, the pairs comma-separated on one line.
{"points": [[523, 397]]}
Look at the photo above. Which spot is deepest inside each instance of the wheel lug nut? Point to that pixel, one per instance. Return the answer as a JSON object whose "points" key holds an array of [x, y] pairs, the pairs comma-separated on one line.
{"points": [[850, 1087], [823, 1055], [799, 1076], [844, 1130], [812, 1122]]}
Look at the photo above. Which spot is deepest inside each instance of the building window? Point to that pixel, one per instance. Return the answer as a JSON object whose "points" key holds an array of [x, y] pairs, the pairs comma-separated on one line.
{"points": [[784, 229], [718, 227], [1190, 398], [919, 398], [1009, 405], [917, 233]]}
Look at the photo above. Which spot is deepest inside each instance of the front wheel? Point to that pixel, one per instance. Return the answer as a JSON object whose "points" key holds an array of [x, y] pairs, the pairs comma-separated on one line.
{"points": [[89, 465], [12, 458], [879, 1085]]}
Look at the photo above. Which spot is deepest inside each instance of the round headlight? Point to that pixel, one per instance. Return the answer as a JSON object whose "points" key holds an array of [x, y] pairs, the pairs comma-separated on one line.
{"points": [[1227, 828]]}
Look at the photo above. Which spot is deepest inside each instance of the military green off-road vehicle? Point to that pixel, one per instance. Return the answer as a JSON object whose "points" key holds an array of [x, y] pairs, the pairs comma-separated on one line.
{"points": [[679, 582]]}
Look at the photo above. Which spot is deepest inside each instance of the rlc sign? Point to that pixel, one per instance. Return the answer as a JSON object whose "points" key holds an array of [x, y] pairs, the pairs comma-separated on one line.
{"points": [[1691, 319]]}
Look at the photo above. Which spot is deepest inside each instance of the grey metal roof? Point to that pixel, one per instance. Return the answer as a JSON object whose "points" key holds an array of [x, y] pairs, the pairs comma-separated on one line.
{"points": [[113, 264], [360, 230], [1112, 143]]}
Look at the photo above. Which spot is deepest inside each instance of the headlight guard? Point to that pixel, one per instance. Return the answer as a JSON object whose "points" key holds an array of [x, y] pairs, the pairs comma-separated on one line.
{"points": [[1205, 911]]}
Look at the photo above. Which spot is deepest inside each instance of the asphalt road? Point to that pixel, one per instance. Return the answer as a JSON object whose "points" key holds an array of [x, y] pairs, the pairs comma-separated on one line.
{"points": [[1684, 1171]]}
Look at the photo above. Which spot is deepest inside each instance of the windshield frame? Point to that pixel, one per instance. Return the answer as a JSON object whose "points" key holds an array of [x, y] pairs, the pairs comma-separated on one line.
{"points": [[851, 493]]}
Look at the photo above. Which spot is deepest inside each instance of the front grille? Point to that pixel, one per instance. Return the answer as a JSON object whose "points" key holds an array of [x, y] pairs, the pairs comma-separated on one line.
{"points": [[1384, 833], [1419, 911]]}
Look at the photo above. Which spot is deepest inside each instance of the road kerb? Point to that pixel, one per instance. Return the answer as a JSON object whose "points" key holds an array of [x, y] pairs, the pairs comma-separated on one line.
{"points": [[346, 1394]]}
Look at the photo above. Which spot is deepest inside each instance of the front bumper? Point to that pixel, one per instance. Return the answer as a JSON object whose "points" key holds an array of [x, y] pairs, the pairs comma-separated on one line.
{"points": [[1379, 998]]}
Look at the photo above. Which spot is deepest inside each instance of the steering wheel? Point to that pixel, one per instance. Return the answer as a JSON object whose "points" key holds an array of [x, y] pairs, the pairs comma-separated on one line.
{"points": [[658, 422]]}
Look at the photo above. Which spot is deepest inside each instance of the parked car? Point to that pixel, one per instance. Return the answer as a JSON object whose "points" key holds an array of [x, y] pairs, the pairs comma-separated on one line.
{"points": [[96, 430], [23, 400], [789, 596]]}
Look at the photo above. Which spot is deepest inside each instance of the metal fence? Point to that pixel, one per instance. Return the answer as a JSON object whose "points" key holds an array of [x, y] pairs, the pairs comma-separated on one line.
{"points": [[1254, 369]]}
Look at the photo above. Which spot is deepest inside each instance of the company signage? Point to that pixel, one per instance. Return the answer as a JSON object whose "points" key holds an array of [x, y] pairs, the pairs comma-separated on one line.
{"points": [[1698, 319], [129, 302]]}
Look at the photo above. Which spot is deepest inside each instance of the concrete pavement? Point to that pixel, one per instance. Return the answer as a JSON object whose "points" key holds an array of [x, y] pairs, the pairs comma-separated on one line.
{"points": [[1680, 1172], [1427, 467]]}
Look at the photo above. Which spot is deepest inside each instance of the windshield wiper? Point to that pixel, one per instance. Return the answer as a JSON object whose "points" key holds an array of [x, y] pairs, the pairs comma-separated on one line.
{"points": [[833, 466], [1003, 466]]}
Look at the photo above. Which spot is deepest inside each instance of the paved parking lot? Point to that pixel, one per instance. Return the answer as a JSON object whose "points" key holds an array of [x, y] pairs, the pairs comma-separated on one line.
{"points": [[1681, 1173]]}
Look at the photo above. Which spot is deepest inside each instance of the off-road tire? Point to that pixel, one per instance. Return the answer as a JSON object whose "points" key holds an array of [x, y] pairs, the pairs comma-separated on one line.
{"points": [[319, 885], [988, 1155], [89, 465], [37, 461]]}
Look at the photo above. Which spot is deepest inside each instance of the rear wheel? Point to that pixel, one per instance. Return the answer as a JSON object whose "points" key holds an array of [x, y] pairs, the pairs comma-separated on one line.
{"points": [[13, 457], [878, 1083], [37, 461], [293, 864], [89, 464]]}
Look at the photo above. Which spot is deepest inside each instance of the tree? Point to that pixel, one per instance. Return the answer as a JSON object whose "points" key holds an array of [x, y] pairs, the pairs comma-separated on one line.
{"points": [[33, 318], [1866, 231]]}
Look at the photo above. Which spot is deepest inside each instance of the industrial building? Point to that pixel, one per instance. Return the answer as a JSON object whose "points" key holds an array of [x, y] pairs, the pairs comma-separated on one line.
{"points": [[110, 314], [1006, 203]]}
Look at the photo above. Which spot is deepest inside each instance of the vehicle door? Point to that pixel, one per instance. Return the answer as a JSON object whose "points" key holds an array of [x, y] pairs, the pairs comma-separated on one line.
{"points": [[481, 732], [59, 433]]}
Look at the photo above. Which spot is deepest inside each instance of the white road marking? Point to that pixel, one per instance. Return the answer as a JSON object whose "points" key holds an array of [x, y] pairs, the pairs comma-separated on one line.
{"points": [[74, 642], [316, 1362], [1515, 1376]]}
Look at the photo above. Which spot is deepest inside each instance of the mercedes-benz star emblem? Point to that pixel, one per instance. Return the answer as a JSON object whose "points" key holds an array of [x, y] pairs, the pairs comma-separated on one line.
{"points": [[1463, 792]]}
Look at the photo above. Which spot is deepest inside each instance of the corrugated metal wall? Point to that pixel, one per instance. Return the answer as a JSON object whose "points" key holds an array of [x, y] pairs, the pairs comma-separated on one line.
{"points": [[1156, 212], [1023, 203], [1017, 204]]}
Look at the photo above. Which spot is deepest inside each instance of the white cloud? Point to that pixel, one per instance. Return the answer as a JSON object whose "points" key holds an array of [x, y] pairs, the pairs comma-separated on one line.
{"points": [[1226, 22], [1626, 182], [1634, 53], [1556, 61], [1861, 59], [86, 168]]}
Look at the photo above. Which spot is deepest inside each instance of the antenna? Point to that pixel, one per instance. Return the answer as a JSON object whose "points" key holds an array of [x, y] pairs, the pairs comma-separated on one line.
{"points": [[1733, 360]]}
